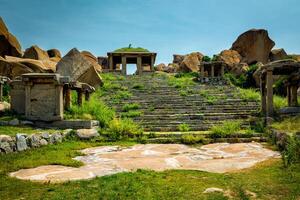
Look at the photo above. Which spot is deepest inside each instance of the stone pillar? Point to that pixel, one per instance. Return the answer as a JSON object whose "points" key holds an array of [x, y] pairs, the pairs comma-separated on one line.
{"points": [[87, 96], [79, 97], [212, 71], [202, 70], [1, 91], [222, 70], [263, 96], [270, 109], [111, 63], [288, 94], [67, 98], [124, 70], [139, 65], [152, 63], [294, 101]]}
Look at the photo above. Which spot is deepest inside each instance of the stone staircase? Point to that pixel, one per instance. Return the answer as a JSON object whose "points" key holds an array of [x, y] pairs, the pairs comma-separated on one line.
{"points": [[164, 107]]}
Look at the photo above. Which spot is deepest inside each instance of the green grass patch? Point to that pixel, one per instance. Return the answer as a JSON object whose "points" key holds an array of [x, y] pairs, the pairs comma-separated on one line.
{"points": [[122, 128], [13, 130], [131, 114], [131, 49], [225, 129], [138, 86], [93, 109], [183, 127], [248, 94], [291, 125], [192, 139], [132, 106]]}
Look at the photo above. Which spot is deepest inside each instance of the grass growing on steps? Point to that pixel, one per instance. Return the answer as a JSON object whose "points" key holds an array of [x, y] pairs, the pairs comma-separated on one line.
{"points": [[227, 128], [291, 125], [268, 180]]}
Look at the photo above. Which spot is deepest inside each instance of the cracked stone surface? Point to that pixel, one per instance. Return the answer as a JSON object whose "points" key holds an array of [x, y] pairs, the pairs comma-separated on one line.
{"points": [[107, 160]]}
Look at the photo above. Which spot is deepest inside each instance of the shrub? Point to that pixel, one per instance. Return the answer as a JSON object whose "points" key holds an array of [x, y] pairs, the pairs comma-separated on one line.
{"points": [[291, 125], [192, 139], [133, 106], [183, 127], [211, 100], [183, 93], [93, 109], [138, 87], [291, 154], [279, 102], [123, 128], [227, 128], [248, 94], [206, 59]]}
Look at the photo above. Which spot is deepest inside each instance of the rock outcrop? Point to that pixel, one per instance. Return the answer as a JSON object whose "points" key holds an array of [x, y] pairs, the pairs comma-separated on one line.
{"points": [[230, 57], [178, 58], [103, 61], [278, 54], [75, 65], [191, 62], [54, 53], [92, 59], [9, 44], [254, 46], [171, 68], [36, 53]]}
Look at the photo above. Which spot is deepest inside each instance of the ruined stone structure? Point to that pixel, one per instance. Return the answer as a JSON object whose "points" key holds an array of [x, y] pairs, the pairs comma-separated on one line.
{"points": [[144, 61], [3, 79], [39, 96], [212, 70], [289, 68]]}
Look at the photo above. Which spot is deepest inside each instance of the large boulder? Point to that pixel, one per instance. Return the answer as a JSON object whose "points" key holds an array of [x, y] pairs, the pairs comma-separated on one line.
{"points": [[178, 58], [278, 54], [230, 57], [92, 59], [9, 44], [191, 62], [36, 53], [160, 67], [13, 69], [103, 61], [39, 66], [254, 46], [54, 53], [78, 68]]}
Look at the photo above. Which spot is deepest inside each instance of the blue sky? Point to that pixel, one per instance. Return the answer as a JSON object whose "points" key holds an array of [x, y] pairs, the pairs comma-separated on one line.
{"points": [[163, 26]]}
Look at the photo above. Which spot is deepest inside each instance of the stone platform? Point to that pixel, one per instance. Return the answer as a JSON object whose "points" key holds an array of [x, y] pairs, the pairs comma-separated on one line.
{"points": [[107, 160]]}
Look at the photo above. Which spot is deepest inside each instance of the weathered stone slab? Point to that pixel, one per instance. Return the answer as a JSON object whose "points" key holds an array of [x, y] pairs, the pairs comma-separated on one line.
{"points": [[106, 160]]}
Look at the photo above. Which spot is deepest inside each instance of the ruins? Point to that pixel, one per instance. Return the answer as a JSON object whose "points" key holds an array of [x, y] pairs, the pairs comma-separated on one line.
{"points": [[289, 68], [143, 60], [212, 71]]}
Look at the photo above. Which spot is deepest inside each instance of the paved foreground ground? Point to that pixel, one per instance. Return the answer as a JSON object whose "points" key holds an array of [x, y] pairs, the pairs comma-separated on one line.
{"points": [[106, 160]]}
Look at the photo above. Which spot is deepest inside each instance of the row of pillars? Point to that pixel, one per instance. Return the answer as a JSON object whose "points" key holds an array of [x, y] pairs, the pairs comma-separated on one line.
{"points": [[212, 71], [68, 99], [124, 64], [266, 87]]}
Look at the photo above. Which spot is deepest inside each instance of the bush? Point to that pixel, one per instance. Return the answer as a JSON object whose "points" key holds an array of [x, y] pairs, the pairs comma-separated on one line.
{"points": [[138, 87], [248, 94], [227, 128], [291, 154], [93, 109], [183, 127], [192, 139], [279, 102], [123, 128], [206, 59]]}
